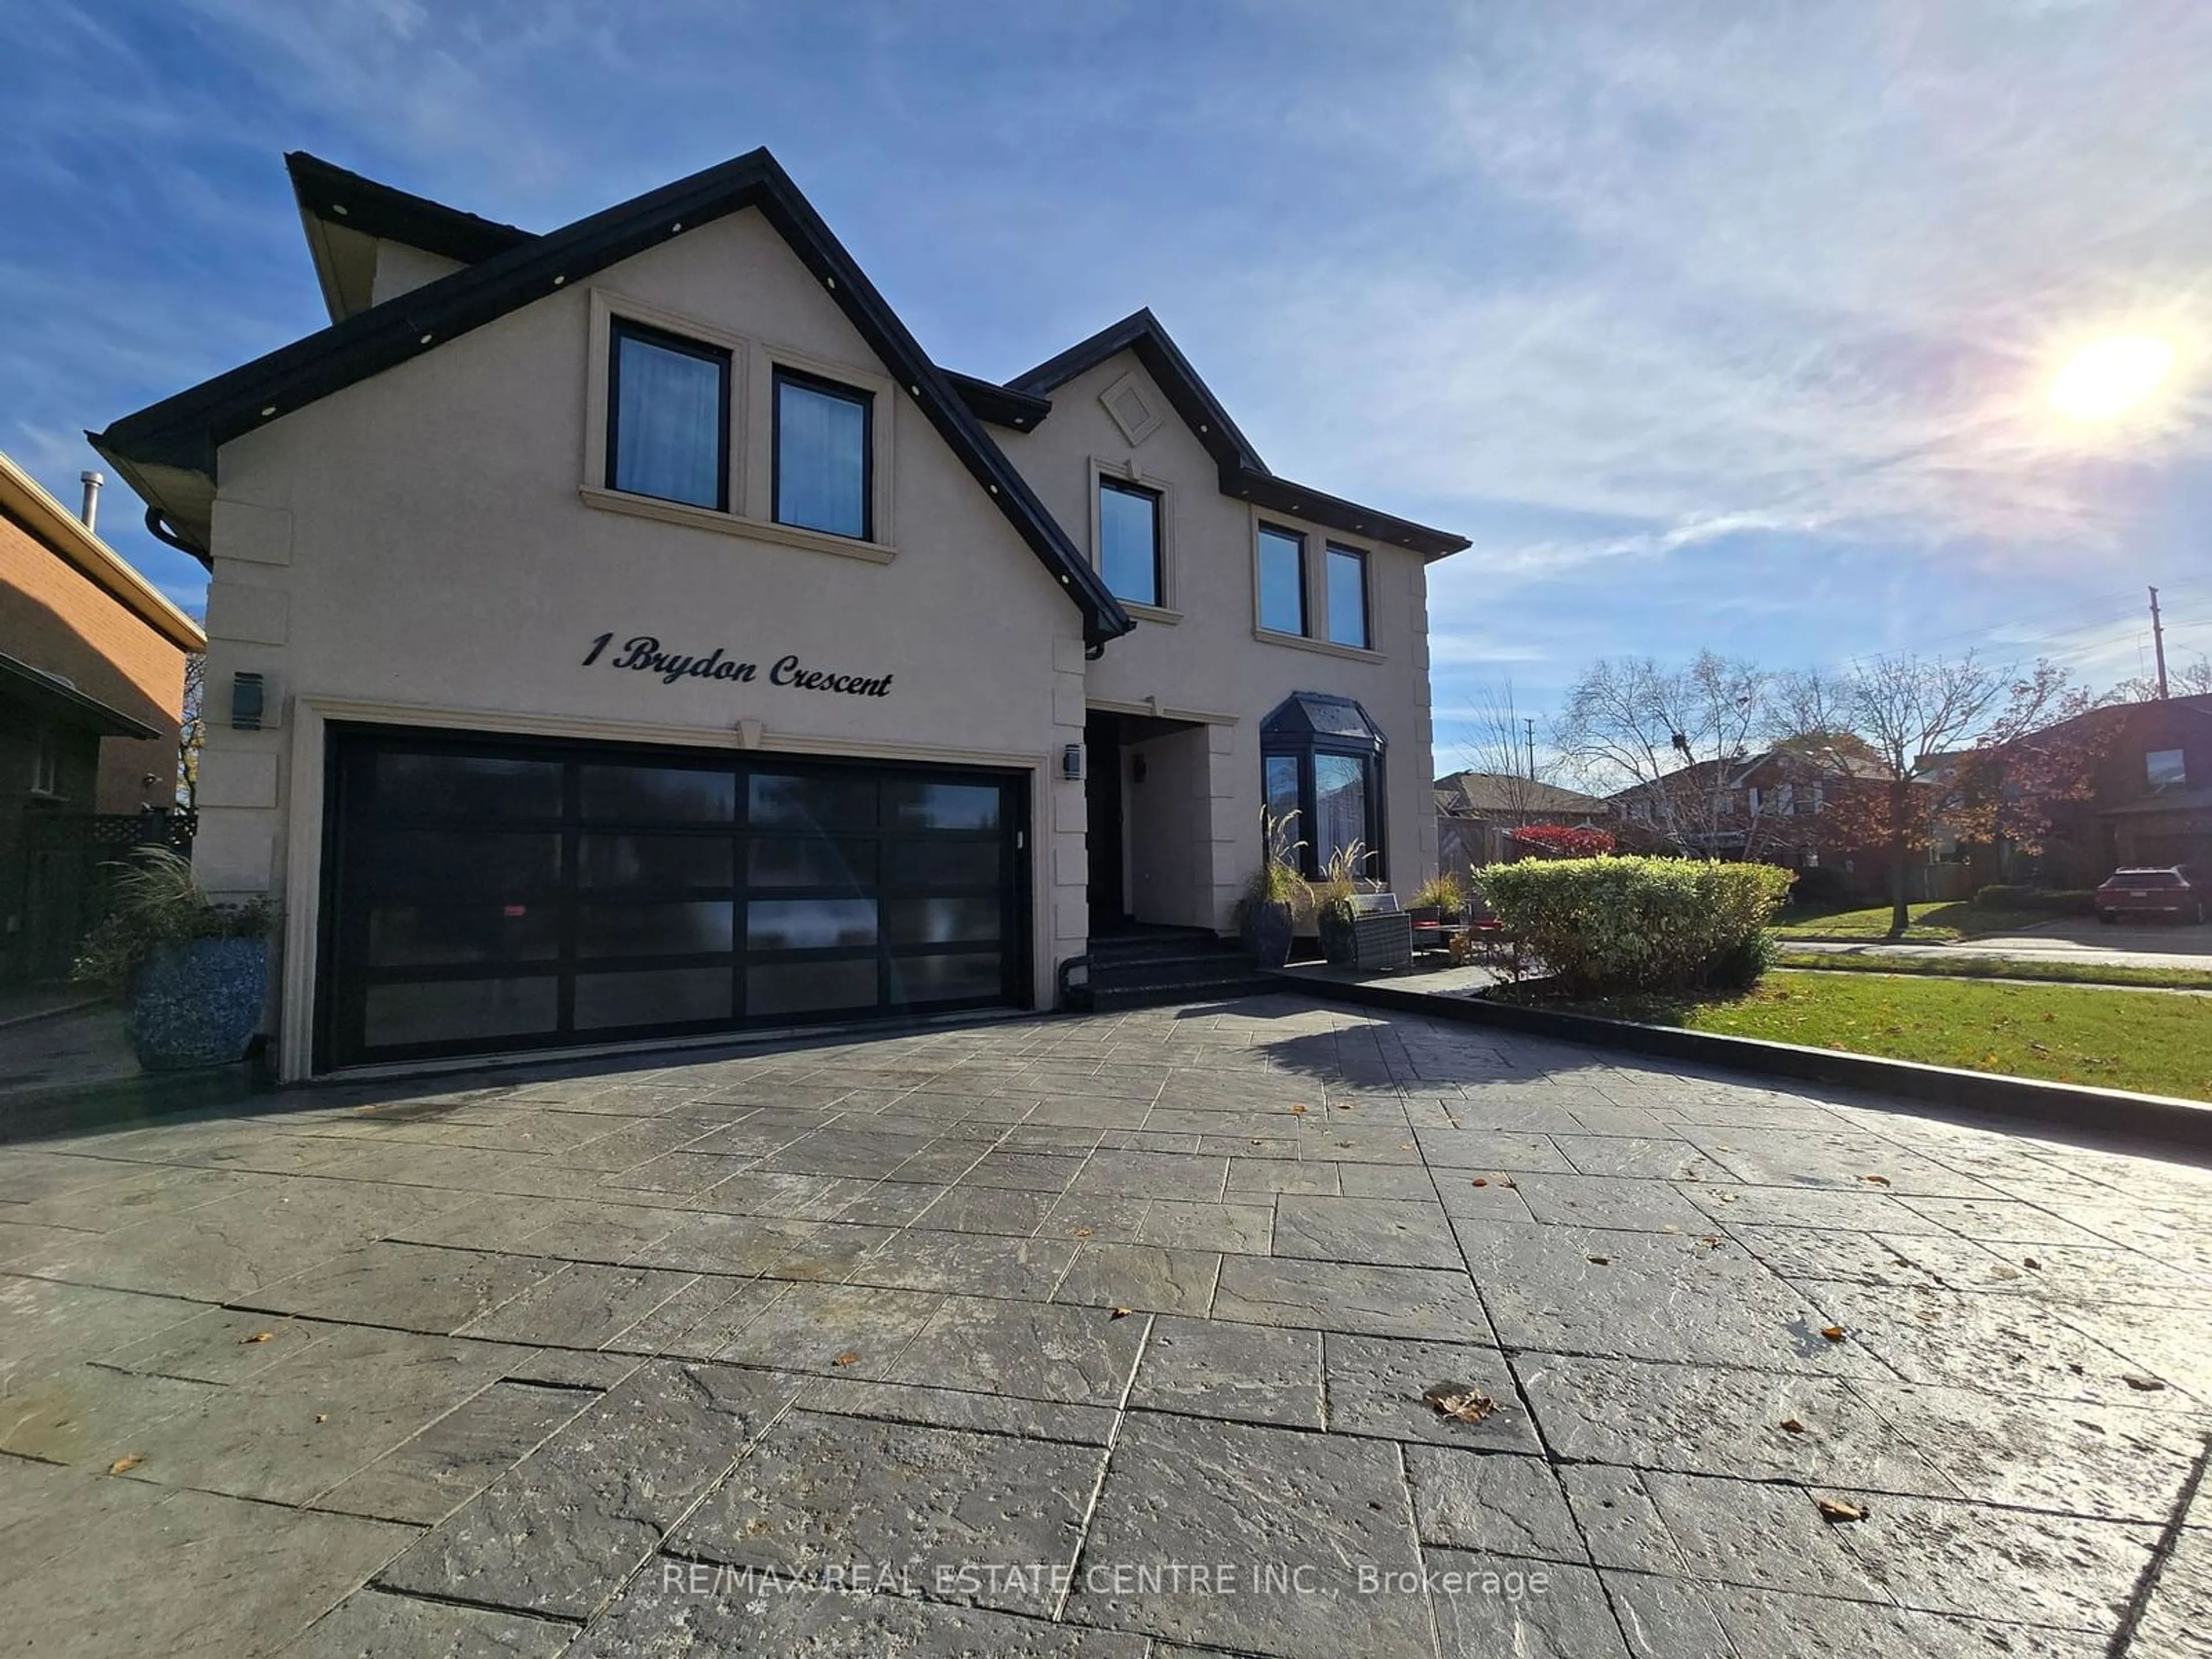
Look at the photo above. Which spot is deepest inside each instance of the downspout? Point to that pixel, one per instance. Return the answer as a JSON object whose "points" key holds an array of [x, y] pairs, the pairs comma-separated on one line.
{"points": [[160, 532]]}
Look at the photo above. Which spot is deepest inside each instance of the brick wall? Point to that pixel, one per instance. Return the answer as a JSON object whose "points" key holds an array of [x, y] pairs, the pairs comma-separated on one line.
{"points": [[53, 618]]}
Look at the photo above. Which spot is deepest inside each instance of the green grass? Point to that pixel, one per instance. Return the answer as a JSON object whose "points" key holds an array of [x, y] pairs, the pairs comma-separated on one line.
{"points": [[2065, 1033], [1932, 924], [1963, 966]]}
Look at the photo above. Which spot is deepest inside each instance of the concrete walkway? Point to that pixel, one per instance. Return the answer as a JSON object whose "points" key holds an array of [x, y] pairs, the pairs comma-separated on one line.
{"points": [[1267, 1329]]}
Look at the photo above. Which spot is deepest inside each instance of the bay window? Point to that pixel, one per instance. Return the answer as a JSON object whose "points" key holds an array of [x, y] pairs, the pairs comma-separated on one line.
{"points": [[1322, 756]]}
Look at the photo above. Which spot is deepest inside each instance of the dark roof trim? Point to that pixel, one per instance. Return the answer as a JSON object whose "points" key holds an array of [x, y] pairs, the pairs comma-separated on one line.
{"points": [[186, 431], [1244, 474], [1141, 332], [354, 203], [59, 700], [1000, 405], [1276, 495]]}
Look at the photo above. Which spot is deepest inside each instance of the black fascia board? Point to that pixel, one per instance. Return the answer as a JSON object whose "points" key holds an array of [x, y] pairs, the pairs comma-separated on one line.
{"points": [[1334, 512], [1193, 400], [61, 701], [353, 202], [187, 430], [1242, 472], [1000, 405]]}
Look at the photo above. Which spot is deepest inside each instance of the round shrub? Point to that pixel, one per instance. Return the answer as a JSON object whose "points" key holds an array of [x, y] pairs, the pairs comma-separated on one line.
{"points": [[1639, 924]]}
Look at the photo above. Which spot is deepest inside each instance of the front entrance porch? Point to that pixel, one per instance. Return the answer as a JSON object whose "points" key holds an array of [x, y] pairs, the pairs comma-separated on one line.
{"points": [[1161, 822]]}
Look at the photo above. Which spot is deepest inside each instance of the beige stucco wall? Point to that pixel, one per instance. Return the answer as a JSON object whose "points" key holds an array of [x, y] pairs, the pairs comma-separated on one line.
{"points": [[401, 270], [419, 547], [1208, 660]]}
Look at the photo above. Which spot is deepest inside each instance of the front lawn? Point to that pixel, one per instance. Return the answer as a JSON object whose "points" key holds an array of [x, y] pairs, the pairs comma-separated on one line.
{"points": [[2147, 1041], [1932, 924]]}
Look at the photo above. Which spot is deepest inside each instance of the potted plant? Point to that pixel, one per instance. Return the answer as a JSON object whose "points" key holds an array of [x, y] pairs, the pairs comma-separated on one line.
{"points": [[1441, 899], [1268, 917], [1333, 897], [193, 973]]}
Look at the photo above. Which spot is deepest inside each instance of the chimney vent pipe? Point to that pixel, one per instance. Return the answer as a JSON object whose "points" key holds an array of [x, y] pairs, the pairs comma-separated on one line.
{"points": [[90, 511]]}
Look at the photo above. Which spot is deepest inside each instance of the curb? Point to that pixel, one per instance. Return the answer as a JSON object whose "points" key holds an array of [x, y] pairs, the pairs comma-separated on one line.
{"points": [[2076, 1106]]}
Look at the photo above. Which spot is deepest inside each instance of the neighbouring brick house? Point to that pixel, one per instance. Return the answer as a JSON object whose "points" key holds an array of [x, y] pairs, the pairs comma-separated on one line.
{"points": [[1774, 808], [92, 684], [2130, 784], [1477, 813]]}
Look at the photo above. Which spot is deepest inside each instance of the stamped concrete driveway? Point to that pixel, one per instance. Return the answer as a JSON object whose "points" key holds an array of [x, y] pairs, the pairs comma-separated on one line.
{"points": [[1105, 1337]]}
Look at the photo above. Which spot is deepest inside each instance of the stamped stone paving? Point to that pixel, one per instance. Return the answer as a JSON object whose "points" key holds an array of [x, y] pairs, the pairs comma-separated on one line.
{"points": [[1105, 1338]]}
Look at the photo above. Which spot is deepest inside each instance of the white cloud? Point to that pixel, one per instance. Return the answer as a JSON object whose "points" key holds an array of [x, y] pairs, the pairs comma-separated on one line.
{"points": [[1801, 267]]}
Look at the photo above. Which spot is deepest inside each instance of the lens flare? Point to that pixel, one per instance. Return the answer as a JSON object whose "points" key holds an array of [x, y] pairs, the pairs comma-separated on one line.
{"points": [[2110, 377]]}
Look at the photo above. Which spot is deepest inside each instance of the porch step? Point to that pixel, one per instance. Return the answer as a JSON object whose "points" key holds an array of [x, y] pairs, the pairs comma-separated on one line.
{"points": [[1184, 964], [1151, 996]]}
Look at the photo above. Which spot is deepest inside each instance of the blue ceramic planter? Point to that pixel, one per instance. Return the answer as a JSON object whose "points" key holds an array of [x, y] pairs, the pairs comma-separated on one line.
{"points": [[1267, 930], [198, 1003]]}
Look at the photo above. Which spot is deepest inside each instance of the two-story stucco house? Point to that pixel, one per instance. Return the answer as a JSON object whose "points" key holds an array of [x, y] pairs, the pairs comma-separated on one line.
{"points": [[628, 632]]}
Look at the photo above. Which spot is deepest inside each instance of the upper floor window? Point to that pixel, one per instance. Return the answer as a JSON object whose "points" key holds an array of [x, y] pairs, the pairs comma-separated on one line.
{"points": [[668, 417], [2166, 769], [1282, 580], [1129, 542], [1347, 597], [824, 455]]}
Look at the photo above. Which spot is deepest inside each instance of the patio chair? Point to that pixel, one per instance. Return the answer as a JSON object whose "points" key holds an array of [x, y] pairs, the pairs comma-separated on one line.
{"points": [[1381, 933]]}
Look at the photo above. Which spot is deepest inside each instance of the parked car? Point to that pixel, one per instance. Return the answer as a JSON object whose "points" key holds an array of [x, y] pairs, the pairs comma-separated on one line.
{"points": [[2177, 892]]}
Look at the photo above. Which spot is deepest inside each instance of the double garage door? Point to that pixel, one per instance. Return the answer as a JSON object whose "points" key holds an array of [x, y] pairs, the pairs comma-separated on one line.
{"points": [[485, 895]]}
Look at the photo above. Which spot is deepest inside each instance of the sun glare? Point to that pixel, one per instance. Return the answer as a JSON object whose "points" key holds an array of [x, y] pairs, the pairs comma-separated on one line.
{"points": [[2110, 377]]}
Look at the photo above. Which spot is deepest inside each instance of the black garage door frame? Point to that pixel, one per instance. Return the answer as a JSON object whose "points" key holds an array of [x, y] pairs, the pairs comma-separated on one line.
{"points": [[464, 866]]}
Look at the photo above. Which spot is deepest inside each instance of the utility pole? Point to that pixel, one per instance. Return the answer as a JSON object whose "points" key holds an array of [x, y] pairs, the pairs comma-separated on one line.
{"points": [[2158, 643], [1531, 724]]}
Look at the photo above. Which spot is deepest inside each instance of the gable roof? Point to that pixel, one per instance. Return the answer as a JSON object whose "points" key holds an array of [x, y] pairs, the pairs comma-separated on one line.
{"points": [[346, 214], [166, 452], [1140, 333], [1242, 472], [1473, 795]]}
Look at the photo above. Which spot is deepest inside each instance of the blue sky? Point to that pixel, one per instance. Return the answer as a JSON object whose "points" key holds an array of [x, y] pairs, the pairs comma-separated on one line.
{"points": [[1712, 325]]}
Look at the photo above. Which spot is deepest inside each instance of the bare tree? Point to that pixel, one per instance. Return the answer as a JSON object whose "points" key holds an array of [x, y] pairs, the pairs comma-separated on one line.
{"points": [[1496, 743], [2192, 679], [1677, 735], [1920, 717], [193, 726]]}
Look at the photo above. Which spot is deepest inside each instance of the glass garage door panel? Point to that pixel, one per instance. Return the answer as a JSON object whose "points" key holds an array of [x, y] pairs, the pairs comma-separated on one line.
{"points": [[487, 895], [404, 1015], [658, 794], [476, 787]]}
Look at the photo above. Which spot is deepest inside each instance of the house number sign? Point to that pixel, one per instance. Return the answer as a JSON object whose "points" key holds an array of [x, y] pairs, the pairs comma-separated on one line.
{"points": [[641, 654]]}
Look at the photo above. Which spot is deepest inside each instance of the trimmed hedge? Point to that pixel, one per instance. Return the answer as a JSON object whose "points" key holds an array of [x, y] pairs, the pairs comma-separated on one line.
{"points": [[1639, 924], [2070, 902]]}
